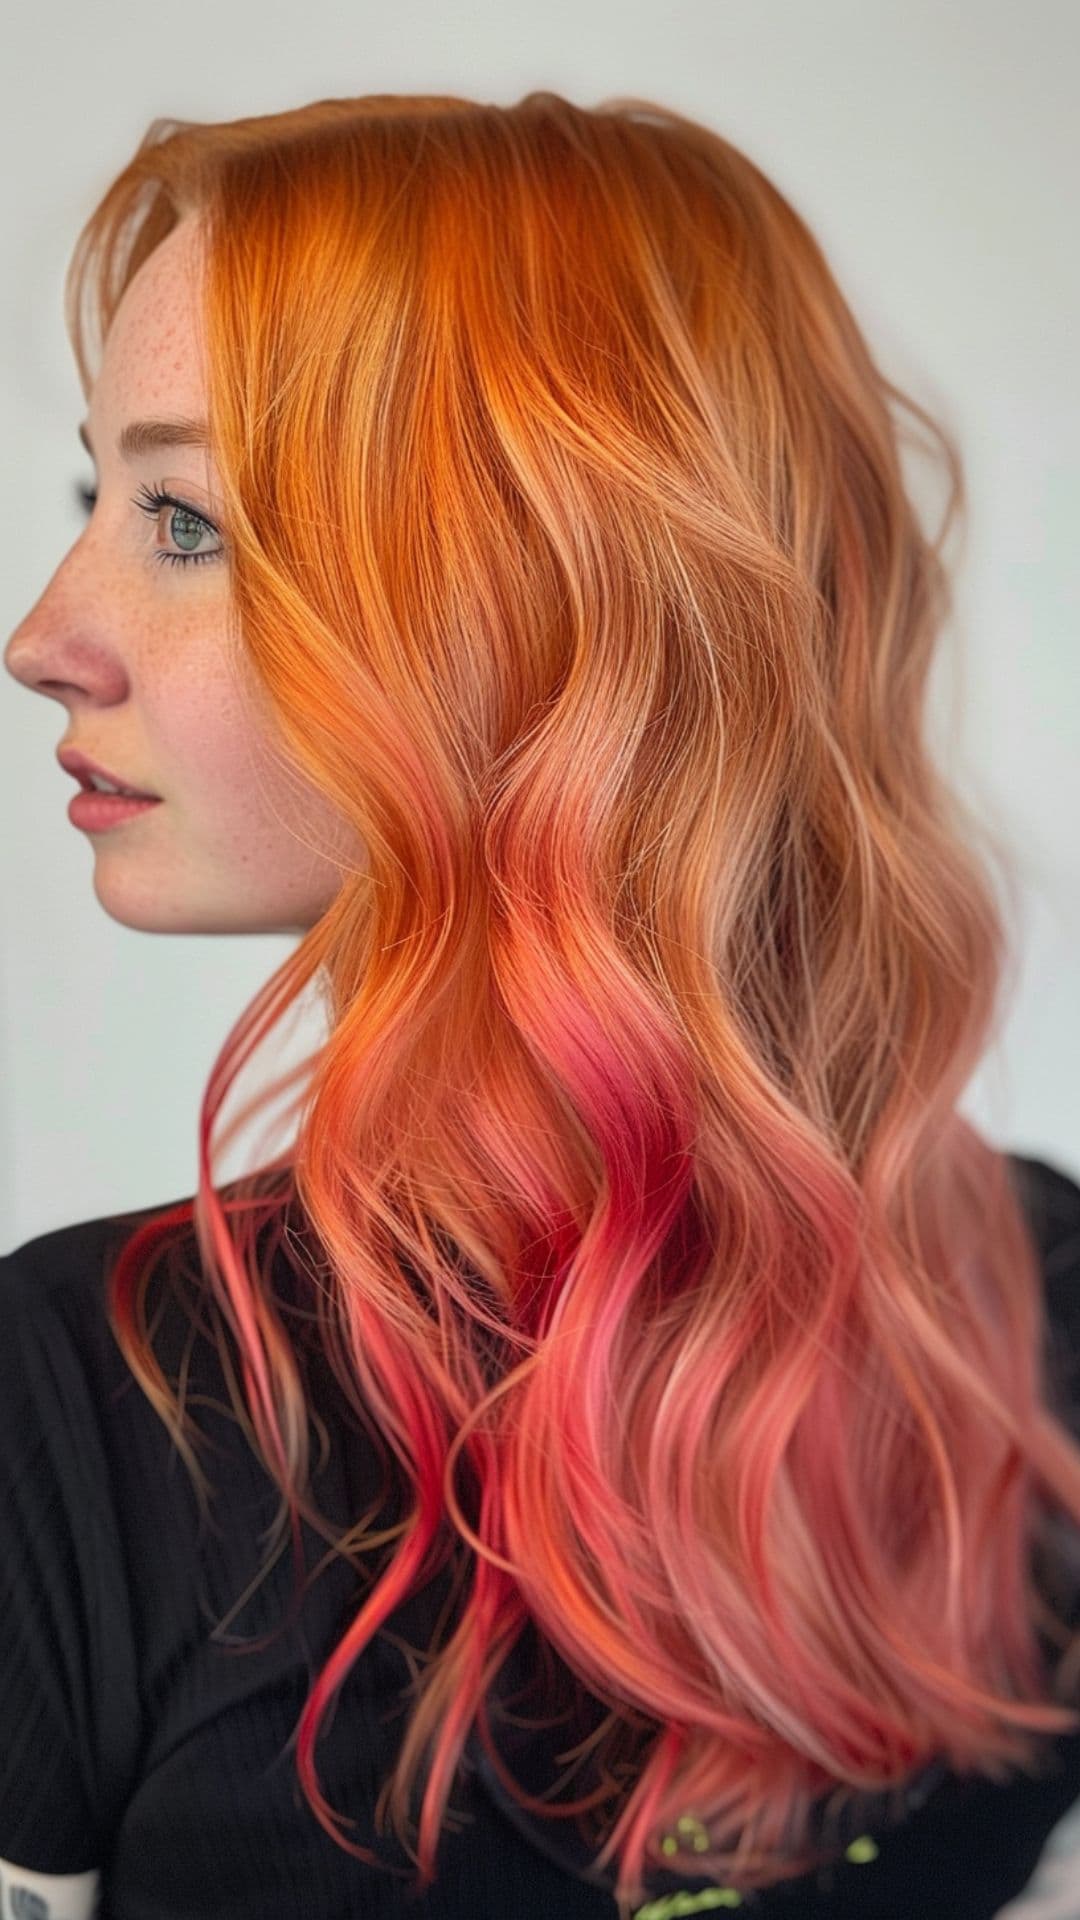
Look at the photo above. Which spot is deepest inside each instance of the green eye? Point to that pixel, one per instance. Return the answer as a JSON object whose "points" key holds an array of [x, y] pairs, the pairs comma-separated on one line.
{"points": [[151, 500]]}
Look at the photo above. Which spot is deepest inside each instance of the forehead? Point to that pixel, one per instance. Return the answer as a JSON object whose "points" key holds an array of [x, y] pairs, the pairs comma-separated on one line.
{"points": [[152, 356]]}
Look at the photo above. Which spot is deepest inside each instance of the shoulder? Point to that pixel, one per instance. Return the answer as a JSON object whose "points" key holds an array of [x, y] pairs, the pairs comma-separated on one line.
{"points": [[65, 1265], [58, 1358], [64, 1371], [1052, 1198], [70, 1256]]}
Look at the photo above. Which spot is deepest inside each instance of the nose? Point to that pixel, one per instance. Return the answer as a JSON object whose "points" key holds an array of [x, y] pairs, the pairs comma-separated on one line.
{"points": [[29, 657], [25, 655], [55, 649], [18, 654]]}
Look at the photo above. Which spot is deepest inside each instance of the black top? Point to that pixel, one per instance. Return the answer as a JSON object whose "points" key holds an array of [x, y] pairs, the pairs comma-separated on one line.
{"points": [[134, 1744]]}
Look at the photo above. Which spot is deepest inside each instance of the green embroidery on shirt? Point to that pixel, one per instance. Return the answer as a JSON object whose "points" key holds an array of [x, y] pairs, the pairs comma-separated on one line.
{"points": [[669, 1904], [861, 1850]]}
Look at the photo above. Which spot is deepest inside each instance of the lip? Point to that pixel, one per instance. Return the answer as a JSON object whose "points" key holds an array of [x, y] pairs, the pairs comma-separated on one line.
{"points": [[98, 812], [81, 767]]}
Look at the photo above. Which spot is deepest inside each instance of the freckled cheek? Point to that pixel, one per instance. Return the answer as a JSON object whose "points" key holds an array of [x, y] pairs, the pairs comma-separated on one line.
{"points": [[201, 731]]}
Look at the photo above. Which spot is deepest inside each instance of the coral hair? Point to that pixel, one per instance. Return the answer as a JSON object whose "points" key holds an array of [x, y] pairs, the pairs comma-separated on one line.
{"points": [[572, 551]]}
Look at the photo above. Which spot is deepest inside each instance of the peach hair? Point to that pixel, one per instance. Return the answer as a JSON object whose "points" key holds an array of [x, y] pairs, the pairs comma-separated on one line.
{"points": [[571, 550]]}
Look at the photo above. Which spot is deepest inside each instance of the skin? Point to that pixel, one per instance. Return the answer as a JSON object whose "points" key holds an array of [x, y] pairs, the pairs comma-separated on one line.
{"points": [[137, 650]]}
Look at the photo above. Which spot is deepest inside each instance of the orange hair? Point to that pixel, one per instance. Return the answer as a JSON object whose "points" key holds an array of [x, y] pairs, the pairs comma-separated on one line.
{"points": [[571, 547]]}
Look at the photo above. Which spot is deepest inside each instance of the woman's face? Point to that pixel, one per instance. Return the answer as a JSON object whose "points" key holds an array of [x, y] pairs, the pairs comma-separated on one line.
{"points": [[135, 647]]}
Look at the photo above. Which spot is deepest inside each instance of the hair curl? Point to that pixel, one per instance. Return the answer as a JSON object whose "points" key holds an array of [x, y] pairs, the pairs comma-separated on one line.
{"points": [[571, 547]]}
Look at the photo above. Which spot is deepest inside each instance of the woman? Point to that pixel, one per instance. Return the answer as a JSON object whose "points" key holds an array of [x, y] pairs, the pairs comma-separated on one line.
{"points": [[501, 572]]}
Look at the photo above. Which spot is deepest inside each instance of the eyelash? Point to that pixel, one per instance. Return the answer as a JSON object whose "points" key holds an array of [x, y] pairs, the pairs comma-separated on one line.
{"points": [[150, 500]]}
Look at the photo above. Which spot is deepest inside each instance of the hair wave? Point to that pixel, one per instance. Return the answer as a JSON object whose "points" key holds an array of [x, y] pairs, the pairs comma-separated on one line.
{"points": [[571, 549]]}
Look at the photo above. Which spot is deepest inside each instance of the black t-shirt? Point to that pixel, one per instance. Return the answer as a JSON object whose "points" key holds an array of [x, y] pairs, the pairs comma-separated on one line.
{"points": [[147, 1764]]}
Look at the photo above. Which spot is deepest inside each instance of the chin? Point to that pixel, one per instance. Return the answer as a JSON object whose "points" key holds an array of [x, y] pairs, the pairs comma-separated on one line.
{"points": [[179, 917]]}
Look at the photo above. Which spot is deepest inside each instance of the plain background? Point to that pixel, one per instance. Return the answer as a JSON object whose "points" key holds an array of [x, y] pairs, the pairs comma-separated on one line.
{"points": [[934, 151]]}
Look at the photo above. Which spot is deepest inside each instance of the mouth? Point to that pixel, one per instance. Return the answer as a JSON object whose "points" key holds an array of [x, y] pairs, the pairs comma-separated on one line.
{"points": [[95, 812], [93, 778], [113, 791]]}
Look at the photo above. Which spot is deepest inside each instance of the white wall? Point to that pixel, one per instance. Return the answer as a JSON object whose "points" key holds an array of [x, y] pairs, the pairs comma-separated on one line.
{"points": [[934, 151]]}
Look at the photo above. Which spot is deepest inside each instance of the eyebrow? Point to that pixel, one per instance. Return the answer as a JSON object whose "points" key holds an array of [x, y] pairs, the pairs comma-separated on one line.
{"points": [[145, 436]]}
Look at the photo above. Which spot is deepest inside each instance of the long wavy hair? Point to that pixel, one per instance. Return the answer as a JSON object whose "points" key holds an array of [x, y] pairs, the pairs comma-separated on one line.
{"points": [[571, 549]]}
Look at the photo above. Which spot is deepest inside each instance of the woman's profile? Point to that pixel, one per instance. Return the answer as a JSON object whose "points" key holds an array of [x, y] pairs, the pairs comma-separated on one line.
{"points": [[621, 1456]]}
